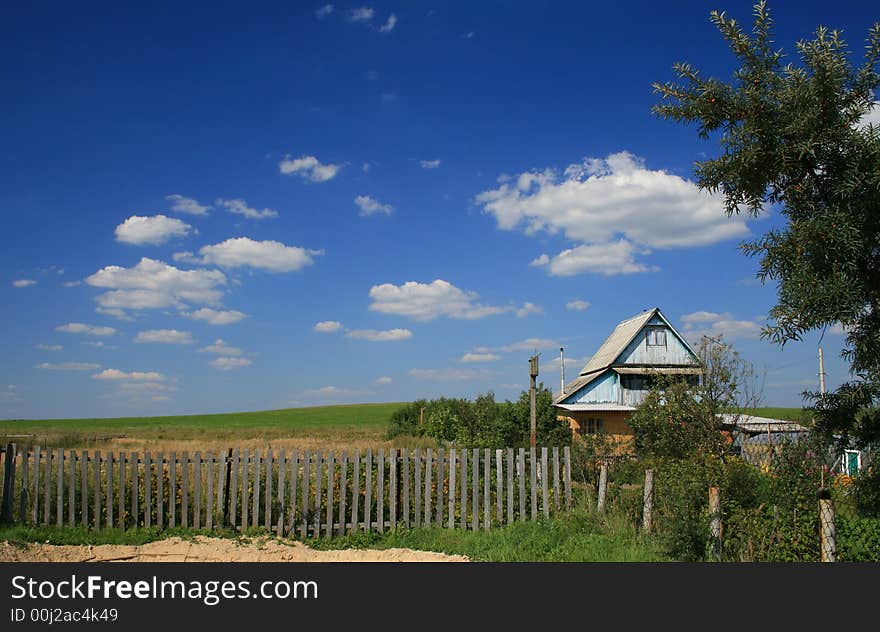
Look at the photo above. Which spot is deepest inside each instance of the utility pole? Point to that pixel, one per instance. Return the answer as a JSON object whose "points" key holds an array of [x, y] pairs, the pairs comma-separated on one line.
{"points": [[533, 374], [562, 370], [821, 373]]}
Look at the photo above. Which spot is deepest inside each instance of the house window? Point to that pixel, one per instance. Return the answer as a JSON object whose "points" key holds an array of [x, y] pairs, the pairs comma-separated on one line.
{"points": [[591, 425], [655, 337]]}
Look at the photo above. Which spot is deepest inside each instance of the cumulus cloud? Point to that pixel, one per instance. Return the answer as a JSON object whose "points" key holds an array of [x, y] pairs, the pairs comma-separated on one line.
{"points": [[309, 168], [374, 335], [219, 347], [153, 284], [23, 283], [69, 366], [45, 347], [702, 323], [72, 283], [361, 14], [371, 206], [188, 206], [384, 380], [427, 301], [479, 357], [429, 164], [115, 375], [528, 308], [323, 11], [271, 256], [240, 207], [228, 364], [216, 317], [530, 344], [389, 25], [613, 209], [88, 330], [577, 305], [165, 336], [154, 230], [327, 326]]}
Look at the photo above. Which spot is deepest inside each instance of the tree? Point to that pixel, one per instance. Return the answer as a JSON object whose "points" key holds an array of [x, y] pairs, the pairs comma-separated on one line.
{"points": [[793, 138]]}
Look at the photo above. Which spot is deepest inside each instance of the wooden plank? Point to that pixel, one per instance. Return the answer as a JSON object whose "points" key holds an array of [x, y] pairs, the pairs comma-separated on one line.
{"points": [[392, 487], [319, 487], [209, 491], [83, 488], [545, 505], [255, 499], [36, 499], [356, 493], [307, 457], [184, 493], [417, 465], [148, 490], [110, 482], [380, 491], [120, 491], [441, 475], [521, 473], [475, 488], [233, 489], [7, 502], [487, 492], [452, 456], [294, 471], [245, 466], [566, 456], [267, 510], [25, 487], [404, 454], [429, 479], [59, 484], [343, 491], [282, 470], [47, 487], [499, 486], [160, 489], [462, 523], [172, 489], [368, 492], [135, 492], [71, 488], [556, 499], [533, 469], [197, 490], [222, 458], [331, 475], [97, 481]]}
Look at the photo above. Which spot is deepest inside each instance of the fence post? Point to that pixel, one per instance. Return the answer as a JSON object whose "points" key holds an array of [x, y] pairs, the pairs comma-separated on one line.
{"points": [[8, 484], [603, 486], [827, 533], [715, 520], [648, 508]]}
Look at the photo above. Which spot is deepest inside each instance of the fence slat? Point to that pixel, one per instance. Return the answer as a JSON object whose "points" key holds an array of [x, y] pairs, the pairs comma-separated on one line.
{"points": [[245, 466], [521, 467], [71, 488], [533, 463], [209, 492], [224, 475], [368, 492], [392, 487], [417, 487], [556, 499], [475, 488], [134, 489], [487, 500], [319, 486], [197, 490], [452, 488], [255, 498], [343, 488], [110, 482], [441, 460], [36, 498], [120, 492], [267, 510], [509, 485], [160, 489], [184, 494], [8, 491], [294, 470], [356, 493], [59, 484], [282, 470], [380, 492], [428, 481], [499, 487], [25, 487], [463, 475], [566, 455], [84, 488], [331, 472], [307, 457], [172, 489], [404, 453], [47, 487], [148, 490], [545, 505], [97, 482], [233, 492]]}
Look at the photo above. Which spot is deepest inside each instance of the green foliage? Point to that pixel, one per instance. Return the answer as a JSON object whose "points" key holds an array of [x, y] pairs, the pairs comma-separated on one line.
{"points": [[483, 422], [858, 539], [791, 138]]}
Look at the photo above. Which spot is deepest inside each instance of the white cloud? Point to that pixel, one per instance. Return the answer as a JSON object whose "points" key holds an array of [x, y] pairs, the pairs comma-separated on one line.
{"points": [[871, 117], [361, 14], [219, 347], [468, 35], [44, 347], [69, 366], [703, 323], [389, 24], [147, 387], [23, 283], [10, 395], [838, 330], [228, 364], [154, 230], [374, 335], [72, 283], [479, 357], [448, 375], [577, 305], [115, 312], [613, 209], [189, 206], [309, 168], [371, 206], [154, 284], [165, 336], [271, 256], [324, 11], [429, 164], [240, 207], [366, 167], [88, 330], [530, 344], [426, 301], [98, 344], [327, 326], [216, 317], [384, 380], [115, 375], [528, 308]]}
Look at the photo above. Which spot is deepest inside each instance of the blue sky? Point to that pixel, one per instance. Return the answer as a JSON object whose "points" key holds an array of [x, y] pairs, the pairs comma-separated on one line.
{"points": [[223, 207]]}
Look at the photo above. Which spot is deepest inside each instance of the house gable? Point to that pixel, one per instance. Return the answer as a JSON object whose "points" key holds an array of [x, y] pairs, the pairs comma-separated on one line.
{"points": [[668, 348]]}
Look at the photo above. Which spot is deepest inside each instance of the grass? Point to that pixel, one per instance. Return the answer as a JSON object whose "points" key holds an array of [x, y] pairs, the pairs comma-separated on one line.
{"points": [[350, 424]]}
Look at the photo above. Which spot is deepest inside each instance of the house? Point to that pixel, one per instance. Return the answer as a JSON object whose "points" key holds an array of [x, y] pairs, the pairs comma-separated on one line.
{"points": [[619, 375]]}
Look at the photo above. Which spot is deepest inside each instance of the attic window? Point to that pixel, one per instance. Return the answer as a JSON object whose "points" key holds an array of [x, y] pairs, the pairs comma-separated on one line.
{"points": [[655, 337]]}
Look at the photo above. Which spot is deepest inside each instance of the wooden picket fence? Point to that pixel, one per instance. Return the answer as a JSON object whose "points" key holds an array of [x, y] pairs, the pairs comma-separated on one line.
{"points": [[305, 493]]}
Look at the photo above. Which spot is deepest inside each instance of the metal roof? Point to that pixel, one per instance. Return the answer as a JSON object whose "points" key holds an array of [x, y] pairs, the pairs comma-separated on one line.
{"points": [[651, 370], [751, 423], [617, 342], [595, 407]]}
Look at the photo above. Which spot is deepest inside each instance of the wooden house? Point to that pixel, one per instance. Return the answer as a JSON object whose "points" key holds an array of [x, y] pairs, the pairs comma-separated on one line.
{"points": [[619, 375]]}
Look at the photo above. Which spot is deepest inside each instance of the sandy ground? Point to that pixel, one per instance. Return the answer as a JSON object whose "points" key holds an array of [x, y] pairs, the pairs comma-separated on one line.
{"points": [[205, 549]]}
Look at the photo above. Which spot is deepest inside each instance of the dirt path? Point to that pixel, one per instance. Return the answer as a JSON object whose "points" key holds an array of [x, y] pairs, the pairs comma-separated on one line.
{"points": [[205, 549]]}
